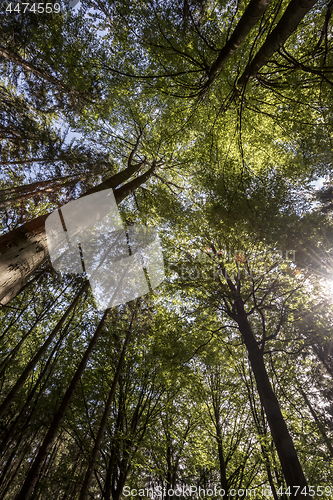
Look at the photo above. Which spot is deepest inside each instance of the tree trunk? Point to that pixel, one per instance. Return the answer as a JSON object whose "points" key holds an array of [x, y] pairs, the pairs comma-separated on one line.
{"points": [[288, 23], [94, 454], [24, 249], [37, 465], [15, 320], [23, 162], [262, 433], [29, 192], [28, 283], [223, 476], [291, 467], [40, 316], [19, 459], [29, 188], [14, 425]]}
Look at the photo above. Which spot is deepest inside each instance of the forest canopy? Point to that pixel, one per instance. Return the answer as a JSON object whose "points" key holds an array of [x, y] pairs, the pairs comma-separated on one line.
{"points": [[210, 124]]}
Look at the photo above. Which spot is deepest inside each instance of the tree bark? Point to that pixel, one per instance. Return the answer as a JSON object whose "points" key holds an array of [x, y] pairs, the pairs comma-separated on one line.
{"points": [[34, 190], [29, 188], [291, 467], [251, 16], [24, 249], [288, 23]]}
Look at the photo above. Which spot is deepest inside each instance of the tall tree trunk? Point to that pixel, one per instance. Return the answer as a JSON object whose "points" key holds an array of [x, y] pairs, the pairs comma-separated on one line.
{"points": [[23, 162], [94, 454], [108, 479], [18, 459], [37, 465], [35, 278], [24, 249], [288, 23], [291, 467], [251, 16], [15, 320], [260, 425], [9, 433], [29, 191], [30, 188], [40, 316], [223, 476]]}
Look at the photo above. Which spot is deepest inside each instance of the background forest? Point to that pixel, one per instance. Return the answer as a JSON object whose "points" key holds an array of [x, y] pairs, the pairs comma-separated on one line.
{"points": [[212, 121]]}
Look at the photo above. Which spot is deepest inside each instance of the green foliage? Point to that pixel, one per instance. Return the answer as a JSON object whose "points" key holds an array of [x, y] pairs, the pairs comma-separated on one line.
{"points": [[232, 197]]}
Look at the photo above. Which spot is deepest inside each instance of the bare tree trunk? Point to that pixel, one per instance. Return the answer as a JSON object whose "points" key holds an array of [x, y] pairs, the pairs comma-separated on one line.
{"points": [[22, 251]]}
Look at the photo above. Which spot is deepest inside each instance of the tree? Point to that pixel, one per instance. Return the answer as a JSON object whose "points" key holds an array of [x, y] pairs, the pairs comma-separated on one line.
{"points": [[210, 122]]}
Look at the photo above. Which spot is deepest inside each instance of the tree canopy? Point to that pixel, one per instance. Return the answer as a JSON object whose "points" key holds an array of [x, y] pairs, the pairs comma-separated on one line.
{"points": [[212, 124]]}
